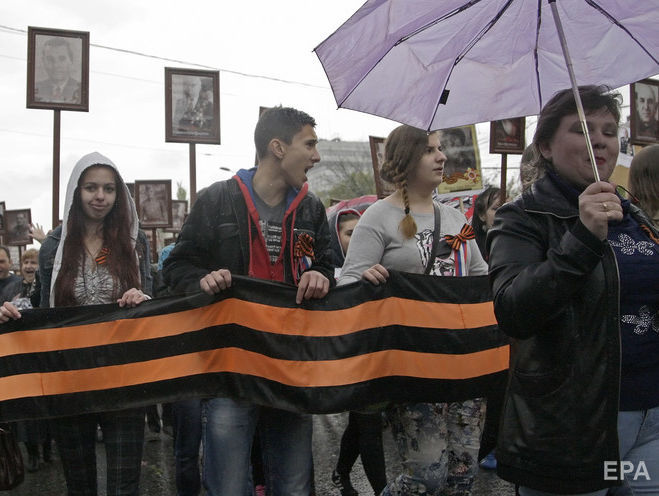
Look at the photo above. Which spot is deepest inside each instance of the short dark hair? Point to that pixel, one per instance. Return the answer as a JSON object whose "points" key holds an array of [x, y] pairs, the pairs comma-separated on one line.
{"points": [[345, 217], [55, 42], [2, 247], [279, 123], [562, 103]]}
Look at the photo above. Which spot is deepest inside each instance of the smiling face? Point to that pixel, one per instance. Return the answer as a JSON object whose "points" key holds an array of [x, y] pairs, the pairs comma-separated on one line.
{"points": [[568, 152], [98, 192], [429, 172], [299, 156], [29, 268]]}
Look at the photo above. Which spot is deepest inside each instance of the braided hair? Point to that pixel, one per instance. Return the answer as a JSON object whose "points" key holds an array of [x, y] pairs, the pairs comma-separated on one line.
{"points": [[403, 150]]}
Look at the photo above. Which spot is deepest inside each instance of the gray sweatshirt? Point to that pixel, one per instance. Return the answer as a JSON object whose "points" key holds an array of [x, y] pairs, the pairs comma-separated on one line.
{"points": [[377, 239]]}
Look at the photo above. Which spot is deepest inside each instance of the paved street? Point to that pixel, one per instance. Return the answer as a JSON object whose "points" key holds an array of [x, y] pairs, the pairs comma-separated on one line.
{"points": [[158, 468]]}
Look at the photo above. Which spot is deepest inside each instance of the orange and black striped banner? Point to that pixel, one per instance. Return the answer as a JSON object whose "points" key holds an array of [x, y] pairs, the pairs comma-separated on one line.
{"points": [[415, 338]]}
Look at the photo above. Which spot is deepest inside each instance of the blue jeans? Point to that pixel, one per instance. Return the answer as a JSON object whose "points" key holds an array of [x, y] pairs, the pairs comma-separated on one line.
{"points": [[638, 433], [228, 429], [187, 440]]}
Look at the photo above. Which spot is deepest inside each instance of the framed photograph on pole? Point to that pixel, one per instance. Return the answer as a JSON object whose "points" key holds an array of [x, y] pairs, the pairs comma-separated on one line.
{"points": [[153, 200], [382, 187], [2, 217], [507, 136], [17, 227], [192, 106], [179, 211], [57, 69], [644, 113]]}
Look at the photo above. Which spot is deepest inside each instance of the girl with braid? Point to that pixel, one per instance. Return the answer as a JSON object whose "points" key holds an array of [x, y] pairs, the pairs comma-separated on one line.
{"points": [[437, 442]]}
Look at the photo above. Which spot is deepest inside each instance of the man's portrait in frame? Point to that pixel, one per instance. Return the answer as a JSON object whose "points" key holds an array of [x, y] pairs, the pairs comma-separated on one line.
{"points": [[153, 202], [58, 69], [644, 113], [17, 227]]}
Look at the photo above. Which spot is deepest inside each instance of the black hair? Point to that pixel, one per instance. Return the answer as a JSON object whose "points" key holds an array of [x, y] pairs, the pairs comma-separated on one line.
{"points": [[279, 123]]}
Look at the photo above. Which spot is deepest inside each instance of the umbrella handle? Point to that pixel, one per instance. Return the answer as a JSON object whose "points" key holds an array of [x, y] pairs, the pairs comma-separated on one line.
{"points": [[575, 87]]}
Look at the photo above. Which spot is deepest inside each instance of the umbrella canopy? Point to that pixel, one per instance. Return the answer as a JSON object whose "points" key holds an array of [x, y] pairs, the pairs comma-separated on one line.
{"points": [[436, 64]]}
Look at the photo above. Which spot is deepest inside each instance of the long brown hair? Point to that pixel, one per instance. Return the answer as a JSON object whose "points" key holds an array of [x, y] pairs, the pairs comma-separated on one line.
{"points": [[403, 150], [121, 259]]}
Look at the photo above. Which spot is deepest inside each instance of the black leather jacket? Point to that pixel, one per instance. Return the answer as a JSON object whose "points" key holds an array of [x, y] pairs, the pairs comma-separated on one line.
{"points": [[556, 292], [215, 236]]}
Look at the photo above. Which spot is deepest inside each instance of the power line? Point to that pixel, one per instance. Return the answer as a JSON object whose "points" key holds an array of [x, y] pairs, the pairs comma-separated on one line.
{"points": [[183, 62]]}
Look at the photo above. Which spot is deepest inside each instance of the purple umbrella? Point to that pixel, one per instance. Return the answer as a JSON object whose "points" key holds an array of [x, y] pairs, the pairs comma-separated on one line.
{"points": [[435, 64]]}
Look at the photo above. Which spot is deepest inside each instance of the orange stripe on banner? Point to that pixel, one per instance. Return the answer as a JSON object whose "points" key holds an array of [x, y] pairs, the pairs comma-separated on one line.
{"points": [[291, 373], [276, 320]]}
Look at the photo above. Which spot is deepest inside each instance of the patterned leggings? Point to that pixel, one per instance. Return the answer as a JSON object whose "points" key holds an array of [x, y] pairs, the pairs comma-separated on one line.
{"points": [[123, 436], [438, 445]]}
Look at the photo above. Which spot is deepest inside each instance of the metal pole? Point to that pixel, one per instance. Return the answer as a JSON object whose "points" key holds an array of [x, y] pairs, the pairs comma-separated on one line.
{"points": [[193, 175], [575, 88], [56, 169]]}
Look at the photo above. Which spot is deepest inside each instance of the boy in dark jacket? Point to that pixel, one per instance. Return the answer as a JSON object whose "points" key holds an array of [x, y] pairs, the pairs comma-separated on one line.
{"points": [[265, 224]]}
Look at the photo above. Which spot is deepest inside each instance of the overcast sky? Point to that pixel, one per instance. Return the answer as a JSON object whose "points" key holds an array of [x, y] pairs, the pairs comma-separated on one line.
{"points": [[270, 39]]}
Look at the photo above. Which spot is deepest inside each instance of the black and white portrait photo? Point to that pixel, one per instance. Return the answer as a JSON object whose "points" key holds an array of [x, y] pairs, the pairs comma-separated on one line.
{"points": [[192, 108], [645, 112], [17, 227], [153, 202], [58, 69]]}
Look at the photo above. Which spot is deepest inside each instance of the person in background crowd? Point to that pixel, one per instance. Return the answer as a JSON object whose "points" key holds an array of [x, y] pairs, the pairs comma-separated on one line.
{"points": [[575, 277], [8, 281], [97, 256], [437, 442], [363, 434], [644, 181], [265, 224], [27, 294], [485, 207]]}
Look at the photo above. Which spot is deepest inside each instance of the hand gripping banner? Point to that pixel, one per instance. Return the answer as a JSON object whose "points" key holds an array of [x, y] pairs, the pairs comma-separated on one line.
{"points": [[416, 338]]}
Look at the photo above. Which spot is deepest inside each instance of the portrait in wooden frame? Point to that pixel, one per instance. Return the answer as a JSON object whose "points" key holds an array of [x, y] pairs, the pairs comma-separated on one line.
{"points": [[644, 112], [17, 227], [2, 217], [179, 212], [57, 69], [382, 187], [153, 200], [192, 106], [508, 136]]}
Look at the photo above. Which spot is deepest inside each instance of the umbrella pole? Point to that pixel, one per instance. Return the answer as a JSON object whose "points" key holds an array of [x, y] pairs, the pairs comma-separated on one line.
{"points": [[575, 88]]}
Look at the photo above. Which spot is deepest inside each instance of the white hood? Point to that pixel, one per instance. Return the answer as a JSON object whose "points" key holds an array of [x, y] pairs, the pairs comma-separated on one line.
{"points": [[83, 164]]}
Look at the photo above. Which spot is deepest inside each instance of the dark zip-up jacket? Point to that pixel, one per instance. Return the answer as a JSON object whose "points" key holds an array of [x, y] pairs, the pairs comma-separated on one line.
{"points": [[216, 236], [556, 292]]}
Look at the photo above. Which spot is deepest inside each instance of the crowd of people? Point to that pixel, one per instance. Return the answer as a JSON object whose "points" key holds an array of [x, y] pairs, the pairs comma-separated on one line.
{"points": [[574, 271]]}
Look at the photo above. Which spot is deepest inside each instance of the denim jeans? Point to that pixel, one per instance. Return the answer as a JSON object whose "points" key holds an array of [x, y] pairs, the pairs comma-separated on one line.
{"points": [[228, 429], [187, 440], [638, 433]]}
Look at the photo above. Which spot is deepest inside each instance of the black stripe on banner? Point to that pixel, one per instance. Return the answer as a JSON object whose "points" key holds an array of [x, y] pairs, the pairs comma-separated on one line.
{"points": [[318, 400], [287, 347]]}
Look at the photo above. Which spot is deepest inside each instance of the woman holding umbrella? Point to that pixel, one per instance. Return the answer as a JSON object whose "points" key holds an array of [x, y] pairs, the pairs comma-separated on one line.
{"points": [[437, 442], [575, 276]]}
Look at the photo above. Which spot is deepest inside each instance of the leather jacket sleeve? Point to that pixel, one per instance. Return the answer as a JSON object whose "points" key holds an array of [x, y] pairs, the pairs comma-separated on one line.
{"points": [[537, 264]]}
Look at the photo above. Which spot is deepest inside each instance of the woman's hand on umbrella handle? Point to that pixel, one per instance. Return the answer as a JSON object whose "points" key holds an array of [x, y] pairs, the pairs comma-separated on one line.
{"points": [[599, 204], [8, 311], [132, 298], [376, 274]]}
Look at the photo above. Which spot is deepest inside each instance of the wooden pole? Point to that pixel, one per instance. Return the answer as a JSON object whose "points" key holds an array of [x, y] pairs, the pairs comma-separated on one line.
{"points": [[193, 175], [504, 180], [56, 166]]}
